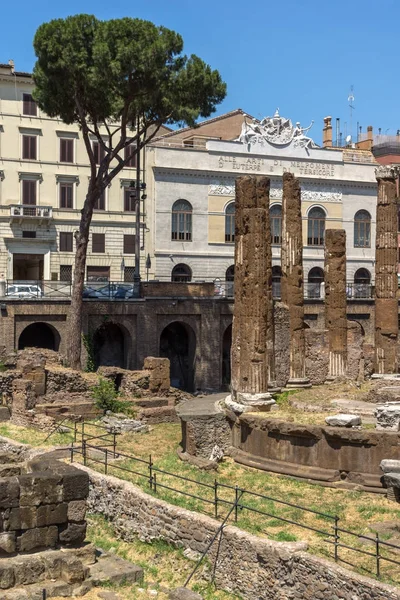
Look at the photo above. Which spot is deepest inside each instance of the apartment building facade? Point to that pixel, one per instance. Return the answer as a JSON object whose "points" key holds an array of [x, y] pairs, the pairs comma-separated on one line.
{"points": [[191, 176], [44, 175]]}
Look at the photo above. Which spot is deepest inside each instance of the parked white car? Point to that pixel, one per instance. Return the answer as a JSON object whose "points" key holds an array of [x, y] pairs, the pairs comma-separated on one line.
{"points": [[24, 290]]}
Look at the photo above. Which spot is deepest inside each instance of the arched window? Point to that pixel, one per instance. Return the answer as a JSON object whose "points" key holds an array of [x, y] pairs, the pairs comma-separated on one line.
{"points": [[316, 227], [182, 221], [362, 229], [362, 284], [230, 273], [275, 215], [276, 281], [230, 222], [181, 273], [315, 282]]}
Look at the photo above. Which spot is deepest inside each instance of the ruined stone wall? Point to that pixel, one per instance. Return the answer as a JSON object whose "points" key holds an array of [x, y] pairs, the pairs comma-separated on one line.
{"points": [[250, 566], [386, 284], [252, 334], [282, 345], [335, 301], [201, 434]]}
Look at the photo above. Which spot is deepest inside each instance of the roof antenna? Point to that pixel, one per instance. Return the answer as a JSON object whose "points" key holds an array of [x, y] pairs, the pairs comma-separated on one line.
{"points": [[351, 108]]}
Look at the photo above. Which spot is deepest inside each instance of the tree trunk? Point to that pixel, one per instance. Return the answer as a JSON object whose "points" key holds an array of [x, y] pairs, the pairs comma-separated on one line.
{"points": [[75, 316]]}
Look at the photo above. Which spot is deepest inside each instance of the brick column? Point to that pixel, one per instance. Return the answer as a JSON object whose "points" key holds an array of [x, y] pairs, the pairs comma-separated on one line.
{"points": [[292, 287], [386, 302], [335, 301], [252, 335]]}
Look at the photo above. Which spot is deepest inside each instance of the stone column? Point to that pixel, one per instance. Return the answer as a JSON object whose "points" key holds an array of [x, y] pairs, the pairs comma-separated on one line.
{"points": [[335, 301], [386, 303], [252, 343], [292, 286]]}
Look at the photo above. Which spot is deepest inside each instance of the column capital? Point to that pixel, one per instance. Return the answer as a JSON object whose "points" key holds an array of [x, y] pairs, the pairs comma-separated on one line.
{"points": [[387, 172]]}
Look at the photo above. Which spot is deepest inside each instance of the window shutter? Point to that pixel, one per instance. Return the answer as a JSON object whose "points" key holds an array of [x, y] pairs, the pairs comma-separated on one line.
{"points": [[66, 241], [128, 150], [129, 244], [28, 191], [29, 106], [66, 195], [100, 203], [98, 242]]}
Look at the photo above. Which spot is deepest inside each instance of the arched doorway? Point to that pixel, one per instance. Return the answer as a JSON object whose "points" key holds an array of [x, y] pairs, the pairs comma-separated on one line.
{"points": [[110, 346], [276, 281], [226, 358], [315, 283], [178, 344], [229, 280], [39, 335], [362, 283], [181, 273]]}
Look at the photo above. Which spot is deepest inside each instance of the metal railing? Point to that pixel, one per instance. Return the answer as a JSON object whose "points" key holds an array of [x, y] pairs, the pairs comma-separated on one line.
{"points": [[31, 211], [219, 495], [122, 290]]}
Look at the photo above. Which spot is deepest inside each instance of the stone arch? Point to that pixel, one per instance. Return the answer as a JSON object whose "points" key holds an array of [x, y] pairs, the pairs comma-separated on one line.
{"points": [[181, 273], [226, 357], [39, 335], [178, 344], [111, 346]]}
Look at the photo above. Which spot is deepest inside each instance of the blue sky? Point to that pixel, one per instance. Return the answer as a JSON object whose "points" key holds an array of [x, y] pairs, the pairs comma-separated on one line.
{"points": [[299, 55]]}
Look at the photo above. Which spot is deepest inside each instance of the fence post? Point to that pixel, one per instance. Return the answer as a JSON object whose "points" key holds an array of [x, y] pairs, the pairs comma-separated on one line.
{"points": [[336, 538], [72, 452], [216, 498], [75, 431], [114, 442], [155, 482], [150, 472], [83, 431], [378, 557], [84, 451], [236, 502], [106, 461]]}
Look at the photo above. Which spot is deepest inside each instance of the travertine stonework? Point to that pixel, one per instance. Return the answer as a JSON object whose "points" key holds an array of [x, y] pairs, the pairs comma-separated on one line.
{"points": [[386, 301], [292, 290], [253, 331], [335, 301]]}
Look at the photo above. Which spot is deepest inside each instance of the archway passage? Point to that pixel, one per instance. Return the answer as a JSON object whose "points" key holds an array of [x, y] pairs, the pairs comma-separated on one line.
{"points": [[178, 344], [226, 358], [109, 346], [39, 335]]}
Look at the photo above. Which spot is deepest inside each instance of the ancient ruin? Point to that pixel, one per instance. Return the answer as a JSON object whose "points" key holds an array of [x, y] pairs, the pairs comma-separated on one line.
{"points": [[335, 301], [292, 284], [386, 284], [252, 351]]}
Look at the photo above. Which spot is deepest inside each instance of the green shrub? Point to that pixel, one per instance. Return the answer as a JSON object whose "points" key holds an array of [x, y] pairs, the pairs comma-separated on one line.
{"points": [[88, 344], [106, 396]]}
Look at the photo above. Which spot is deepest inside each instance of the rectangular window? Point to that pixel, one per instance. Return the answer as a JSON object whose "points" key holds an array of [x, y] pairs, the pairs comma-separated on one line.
{"points": [[65, 272], [29, 106], [129, 274], [100, 203], [129, 200], [66, 150], [29, 147], [66, 241], [98, 273], [29, 234], [29, 191], [98, 152], [66, 195], [131, 160], [98, 242], [129, 244]]}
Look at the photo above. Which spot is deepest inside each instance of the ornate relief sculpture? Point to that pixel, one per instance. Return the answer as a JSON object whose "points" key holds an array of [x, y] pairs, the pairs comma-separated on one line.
{"points": [[276, 130]]}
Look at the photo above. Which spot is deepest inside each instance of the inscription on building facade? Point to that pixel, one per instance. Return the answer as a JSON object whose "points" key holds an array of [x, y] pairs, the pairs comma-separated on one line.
{"points": [[298, 167]]}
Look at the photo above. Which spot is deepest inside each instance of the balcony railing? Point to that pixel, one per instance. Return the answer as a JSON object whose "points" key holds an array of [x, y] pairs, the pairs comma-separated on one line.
{"points": [[121, 290], [30, 211]]}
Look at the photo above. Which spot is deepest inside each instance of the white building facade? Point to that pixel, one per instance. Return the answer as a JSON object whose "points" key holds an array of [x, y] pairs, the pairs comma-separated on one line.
{"points": [[192, 191]]}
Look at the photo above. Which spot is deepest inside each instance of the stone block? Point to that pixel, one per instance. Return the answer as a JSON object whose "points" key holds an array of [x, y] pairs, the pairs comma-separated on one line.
{"points": [[76, 511], [7, 542], [343, 420], [51, 514], [75, 485], [28, 517], [9, 470], [28, 570], [159, 369], [392, 480], [390, 466], [40, 488], [388, 416], [72, 570], [4, 413], [38, 538], [13, 523], [73, 534], [7, 578], [9, 492]]}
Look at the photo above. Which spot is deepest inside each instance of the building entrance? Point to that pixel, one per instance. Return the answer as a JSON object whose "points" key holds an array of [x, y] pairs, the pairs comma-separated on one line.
{"points": [[28, 267]]}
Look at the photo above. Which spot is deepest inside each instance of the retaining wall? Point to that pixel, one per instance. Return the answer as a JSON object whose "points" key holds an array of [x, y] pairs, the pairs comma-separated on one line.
{"points": [[255, 568]]}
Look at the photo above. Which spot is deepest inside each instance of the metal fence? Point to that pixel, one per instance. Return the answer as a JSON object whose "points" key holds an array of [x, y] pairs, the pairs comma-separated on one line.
{"points": [[101, 449], [123, 291]]}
